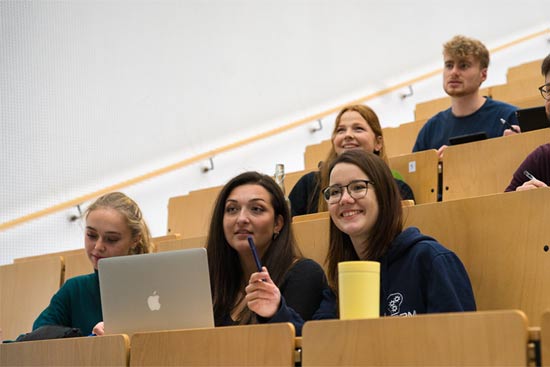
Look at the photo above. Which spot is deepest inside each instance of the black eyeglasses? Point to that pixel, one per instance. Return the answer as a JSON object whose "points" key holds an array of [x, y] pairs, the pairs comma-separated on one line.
{"points": [[545, 91], [357, 189]]}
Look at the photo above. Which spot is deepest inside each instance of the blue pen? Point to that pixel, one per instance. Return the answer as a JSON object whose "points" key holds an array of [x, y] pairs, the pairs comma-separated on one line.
{"points": [[255, 253]]}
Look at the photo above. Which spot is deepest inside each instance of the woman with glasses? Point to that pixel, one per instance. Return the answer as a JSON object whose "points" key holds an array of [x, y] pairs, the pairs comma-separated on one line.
{"points": [[356, 127], [417, 274], [534, 171]]}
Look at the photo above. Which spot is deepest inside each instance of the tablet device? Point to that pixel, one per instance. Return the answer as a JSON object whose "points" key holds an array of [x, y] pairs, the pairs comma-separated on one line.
{"points": [[468, 138], [532, 118]]}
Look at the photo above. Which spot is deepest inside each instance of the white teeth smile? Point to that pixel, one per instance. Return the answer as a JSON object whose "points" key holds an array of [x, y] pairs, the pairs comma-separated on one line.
{"points": [[350, 213]]}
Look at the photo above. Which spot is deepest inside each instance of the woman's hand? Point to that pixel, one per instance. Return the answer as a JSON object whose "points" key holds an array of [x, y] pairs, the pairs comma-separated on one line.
{"points": [[262, 295], [99, 328]]}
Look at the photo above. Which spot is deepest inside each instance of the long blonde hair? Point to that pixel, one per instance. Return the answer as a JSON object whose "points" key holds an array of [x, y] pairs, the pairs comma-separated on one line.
{"points": [[130, 210]]}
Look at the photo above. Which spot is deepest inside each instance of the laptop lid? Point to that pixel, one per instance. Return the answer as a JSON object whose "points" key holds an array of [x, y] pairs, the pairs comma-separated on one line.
{"points": [[468, 138], [533, 118], [159, 291]]}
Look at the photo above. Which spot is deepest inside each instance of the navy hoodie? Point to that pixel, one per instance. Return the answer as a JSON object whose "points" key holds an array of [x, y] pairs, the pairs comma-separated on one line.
{"points": [[417, 275]]}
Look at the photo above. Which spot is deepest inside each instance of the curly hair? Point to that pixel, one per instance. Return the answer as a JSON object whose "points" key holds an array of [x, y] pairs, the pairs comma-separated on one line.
{"points": [[462, 46]]}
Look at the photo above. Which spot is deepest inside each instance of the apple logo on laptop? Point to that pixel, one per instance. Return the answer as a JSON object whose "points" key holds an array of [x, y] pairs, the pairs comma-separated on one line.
{"points": [[153, 302]]}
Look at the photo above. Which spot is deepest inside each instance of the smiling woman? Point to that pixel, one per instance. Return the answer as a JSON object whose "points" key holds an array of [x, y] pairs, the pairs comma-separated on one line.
{"points": [[356, 128], [114, 227], [366, 224], [289, 288]]}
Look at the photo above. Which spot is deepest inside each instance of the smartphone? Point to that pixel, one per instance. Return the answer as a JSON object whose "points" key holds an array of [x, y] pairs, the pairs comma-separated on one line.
{"points": [[254, 253]]}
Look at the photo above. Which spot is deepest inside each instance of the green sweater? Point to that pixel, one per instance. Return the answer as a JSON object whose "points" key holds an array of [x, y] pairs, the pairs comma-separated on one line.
{"points": [[77, 304]]}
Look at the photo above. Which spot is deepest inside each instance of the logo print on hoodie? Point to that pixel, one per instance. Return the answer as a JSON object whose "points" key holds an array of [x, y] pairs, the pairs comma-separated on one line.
{"points": [[394, 303]]}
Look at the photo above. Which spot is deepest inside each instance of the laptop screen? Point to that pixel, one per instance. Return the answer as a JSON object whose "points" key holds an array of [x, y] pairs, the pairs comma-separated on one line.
{"points": [[532, 118], [153, 292]]}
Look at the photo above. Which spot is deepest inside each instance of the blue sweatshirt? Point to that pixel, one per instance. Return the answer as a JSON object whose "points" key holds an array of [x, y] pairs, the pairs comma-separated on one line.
{"points": [[444, 125], [417, 275]]}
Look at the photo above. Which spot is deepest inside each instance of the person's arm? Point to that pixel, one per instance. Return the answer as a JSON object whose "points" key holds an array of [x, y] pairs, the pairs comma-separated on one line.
{"points": [[326, 310], [304, 296], [58, 311], [537, 158], [449, 288]]}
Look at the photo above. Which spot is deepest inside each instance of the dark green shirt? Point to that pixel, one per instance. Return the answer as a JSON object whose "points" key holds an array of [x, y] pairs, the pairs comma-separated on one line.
{"points": [[77, 304]]}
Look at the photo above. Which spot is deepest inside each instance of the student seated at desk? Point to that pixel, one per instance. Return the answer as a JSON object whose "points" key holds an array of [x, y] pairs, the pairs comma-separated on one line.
{"points": [[356, 127], [417, 274], [114, 227], [288, 288], [537, 164], [465, 66]]}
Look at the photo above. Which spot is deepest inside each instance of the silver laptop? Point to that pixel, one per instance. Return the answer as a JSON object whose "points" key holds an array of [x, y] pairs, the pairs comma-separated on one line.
{"points": [[152, 292]]}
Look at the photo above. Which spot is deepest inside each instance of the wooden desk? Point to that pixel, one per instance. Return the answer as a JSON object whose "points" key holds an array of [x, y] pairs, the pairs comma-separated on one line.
{"points": [[486, 167], [494, 338], [400, 139], [312, 235], [545, 338], [519, 89], [111, 350], [77, 264], [189, 215], [181, 244], [523, 71], [501, 240], [420, 172], [316, 153], [25, 290], [248, 345]]}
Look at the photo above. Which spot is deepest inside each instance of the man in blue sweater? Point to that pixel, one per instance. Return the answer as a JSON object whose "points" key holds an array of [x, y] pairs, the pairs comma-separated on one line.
{"points": [[466, 61]]}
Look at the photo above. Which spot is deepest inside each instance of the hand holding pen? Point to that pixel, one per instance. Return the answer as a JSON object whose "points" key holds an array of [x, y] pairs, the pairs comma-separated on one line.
{"points": [[513, 128], [533, 182], [262, 295]]}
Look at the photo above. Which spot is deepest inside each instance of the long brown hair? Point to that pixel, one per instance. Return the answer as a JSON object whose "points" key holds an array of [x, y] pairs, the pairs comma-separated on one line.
{"points": [[388, 224], [226, 275], [372, 119]]}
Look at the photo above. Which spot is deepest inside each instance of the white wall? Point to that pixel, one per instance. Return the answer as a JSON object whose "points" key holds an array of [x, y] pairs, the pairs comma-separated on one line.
{"points": [[96, 92]]}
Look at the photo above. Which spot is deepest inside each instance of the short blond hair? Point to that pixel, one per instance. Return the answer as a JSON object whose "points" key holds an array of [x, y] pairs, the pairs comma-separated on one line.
{"points": [[462, 46]]}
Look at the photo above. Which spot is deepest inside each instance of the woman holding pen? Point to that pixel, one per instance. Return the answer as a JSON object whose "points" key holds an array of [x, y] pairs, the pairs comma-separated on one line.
{"points": [[251, 211]]}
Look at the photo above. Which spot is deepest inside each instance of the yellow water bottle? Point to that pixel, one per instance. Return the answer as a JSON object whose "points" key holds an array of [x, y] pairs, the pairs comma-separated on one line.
{"points": [[359, 289]]}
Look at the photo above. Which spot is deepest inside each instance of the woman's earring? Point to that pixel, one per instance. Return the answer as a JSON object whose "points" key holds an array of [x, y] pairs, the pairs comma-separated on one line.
{"points": [[275, 235]]}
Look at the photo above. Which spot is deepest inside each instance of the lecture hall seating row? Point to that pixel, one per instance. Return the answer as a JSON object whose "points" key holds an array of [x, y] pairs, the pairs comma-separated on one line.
{"points": [[520, 90], [502, 239], [464, 174], [484, 338], [468, 170], [27, 285]]}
